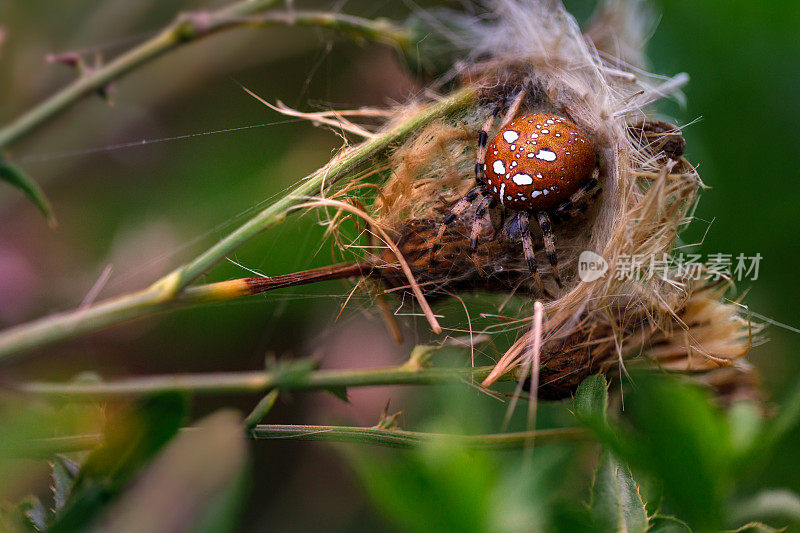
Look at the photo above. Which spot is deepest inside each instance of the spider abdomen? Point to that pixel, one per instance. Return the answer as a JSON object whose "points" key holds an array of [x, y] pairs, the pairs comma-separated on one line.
{"points": [[537, 162]]}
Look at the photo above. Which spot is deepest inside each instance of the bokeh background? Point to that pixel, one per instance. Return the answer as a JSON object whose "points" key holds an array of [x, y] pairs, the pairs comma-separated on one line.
{"points": [[145, 209]]}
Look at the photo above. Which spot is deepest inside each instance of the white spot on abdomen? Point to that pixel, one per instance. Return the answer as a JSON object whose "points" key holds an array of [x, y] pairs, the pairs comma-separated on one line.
{"points": [[546, 155], [522, 179], [510, 136], [502, 191], [499, 167]]}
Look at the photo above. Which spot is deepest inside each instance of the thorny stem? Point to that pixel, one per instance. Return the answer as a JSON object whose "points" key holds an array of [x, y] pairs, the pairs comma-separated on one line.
{"points": [[393, 438], [380, 30], [187, 28], [413, 372], [167, 292], [256, 381], [396, 438]]}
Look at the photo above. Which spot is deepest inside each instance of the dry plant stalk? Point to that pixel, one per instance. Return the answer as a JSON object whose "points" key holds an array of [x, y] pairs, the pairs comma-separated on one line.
{"points": [[649, 190]]}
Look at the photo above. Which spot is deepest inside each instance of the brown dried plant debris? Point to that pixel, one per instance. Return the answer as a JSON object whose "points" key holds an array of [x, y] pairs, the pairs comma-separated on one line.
{"points": [[649, 190]]}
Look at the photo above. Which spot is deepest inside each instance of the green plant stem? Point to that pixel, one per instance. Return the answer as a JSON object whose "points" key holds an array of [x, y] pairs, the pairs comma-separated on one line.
{"points": [[379, 30], [393, 438], [187, 28], [60, 326], [396, 438], [254, 382], [167, 293]]}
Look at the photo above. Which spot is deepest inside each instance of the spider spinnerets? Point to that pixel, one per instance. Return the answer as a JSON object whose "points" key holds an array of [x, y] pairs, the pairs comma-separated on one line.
{"points": [[537, 165]]}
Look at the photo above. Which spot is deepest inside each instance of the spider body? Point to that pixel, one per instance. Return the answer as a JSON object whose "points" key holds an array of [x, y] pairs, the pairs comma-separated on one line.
{"points": [[537, 162], [537, 165]]}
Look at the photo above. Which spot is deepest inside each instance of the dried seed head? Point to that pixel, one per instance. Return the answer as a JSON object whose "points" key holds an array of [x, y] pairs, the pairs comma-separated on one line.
{"points": [[649, 189]]}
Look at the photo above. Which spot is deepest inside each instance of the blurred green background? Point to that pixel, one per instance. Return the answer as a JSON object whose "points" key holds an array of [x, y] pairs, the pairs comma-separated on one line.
{"points": [[145, 209]]}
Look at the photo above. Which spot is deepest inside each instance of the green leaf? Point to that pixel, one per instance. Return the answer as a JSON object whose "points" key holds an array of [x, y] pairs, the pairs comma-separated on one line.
{"points": [[65, 471], [746, 424], [616, 503], [388, 421], [132, 437], [786, 420], [261, 409], [17, 178], [668, 524], [590, 407], [524, 497], [756, 527], [13, 519], [680, 438], [438, 487], [291, 372], [571, 517], [773, 505], [34, 512], [196, 483], [591, 400], [421, 356], [24, 423]]}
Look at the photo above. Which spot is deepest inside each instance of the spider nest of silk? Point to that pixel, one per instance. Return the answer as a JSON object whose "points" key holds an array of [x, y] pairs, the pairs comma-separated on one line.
{"points": [[625, 195]]}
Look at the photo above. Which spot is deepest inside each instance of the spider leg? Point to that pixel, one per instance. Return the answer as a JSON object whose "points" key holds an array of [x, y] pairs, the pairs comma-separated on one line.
{"points": [[483, 135], [549, 243], [483, 140], [521, 230], [461, 206], [513, 109], [481, 214], [578, 202], [481, 219]]}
